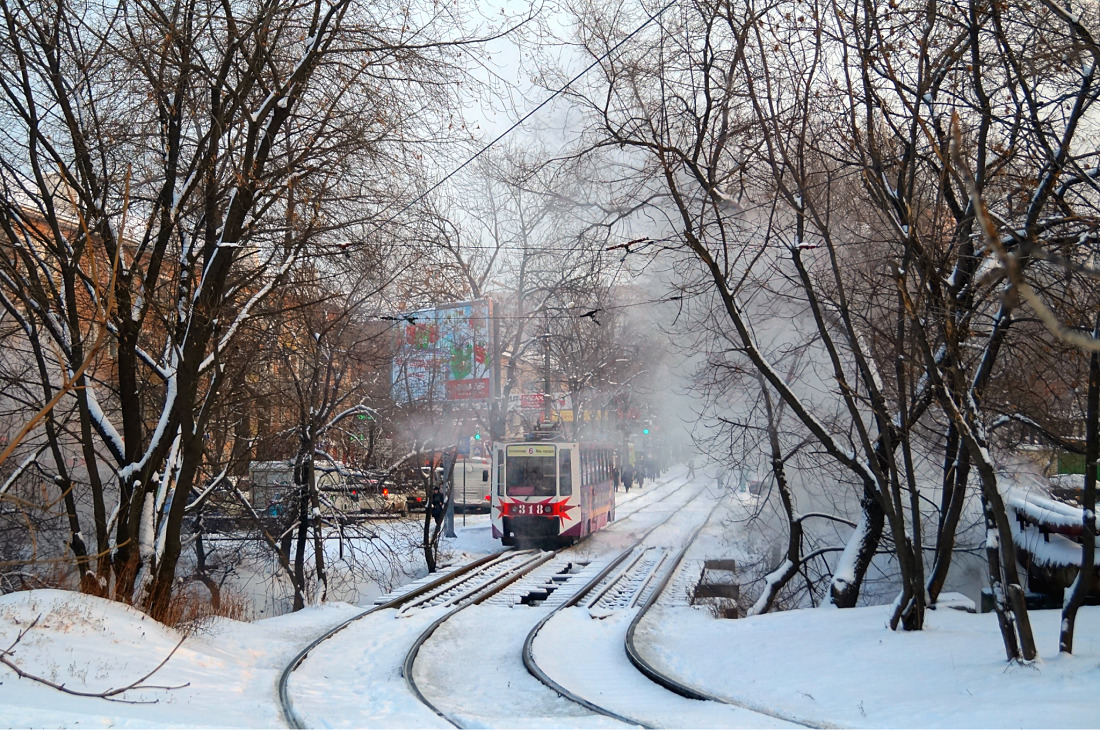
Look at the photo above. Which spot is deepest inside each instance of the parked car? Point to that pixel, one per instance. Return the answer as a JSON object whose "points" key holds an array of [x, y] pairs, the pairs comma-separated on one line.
{"points": [[377, 495], [414, 497]]}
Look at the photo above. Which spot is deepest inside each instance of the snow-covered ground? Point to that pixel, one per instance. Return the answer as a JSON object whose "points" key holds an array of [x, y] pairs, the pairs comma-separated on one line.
{"points": [[826, 667]]}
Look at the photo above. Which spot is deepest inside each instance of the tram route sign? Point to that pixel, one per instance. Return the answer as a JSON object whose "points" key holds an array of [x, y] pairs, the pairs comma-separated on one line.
{"points": [[531, 450], [445, 354]]}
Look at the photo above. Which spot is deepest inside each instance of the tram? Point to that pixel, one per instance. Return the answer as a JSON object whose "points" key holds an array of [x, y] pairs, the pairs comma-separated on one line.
{"points": [[551, 492]]}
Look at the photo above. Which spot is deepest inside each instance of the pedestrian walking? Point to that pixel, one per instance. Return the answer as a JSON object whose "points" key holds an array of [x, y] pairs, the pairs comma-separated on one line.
{"points": [[437, 506], [691, 468], [628, 476]]}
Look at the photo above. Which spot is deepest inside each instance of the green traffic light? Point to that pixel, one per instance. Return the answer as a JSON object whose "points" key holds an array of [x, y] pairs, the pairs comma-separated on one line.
{"points": [[645, 431], [477, 437]]}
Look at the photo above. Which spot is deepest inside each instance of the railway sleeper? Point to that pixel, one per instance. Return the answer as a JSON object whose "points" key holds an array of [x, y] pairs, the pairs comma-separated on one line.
{"points": [[535, 596]]}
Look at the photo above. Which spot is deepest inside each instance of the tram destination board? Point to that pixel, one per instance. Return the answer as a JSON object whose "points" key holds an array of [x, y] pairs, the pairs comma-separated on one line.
{"points": [[532, 450]]}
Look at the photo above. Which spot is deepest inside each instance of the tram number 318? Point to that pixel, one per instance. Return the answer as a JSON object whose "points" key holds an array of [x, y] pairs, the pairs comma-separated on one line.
{"points": [[523, 509]]}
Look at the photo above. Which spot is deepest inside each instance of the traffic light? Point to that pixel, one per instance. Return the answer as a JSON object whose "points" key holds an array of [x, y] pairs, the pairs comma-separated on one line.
{"points": [[645, 431], [477, 435]]}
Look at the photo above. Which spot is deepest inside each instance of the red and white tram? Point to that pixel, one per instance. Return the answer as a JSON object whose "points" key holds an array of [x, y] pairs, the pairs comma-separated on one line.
{"points": [[551, 491]]}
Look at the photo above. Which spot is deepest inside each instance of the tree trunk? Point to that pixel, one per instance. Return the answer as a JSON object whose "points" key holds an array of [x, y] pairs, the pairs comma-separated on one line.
{"points": [[1082, 585], [911, 608], [956, 475], [300, 549], [429, 546], [1004, 578], [781, 574], [318, 528], [844, 589], [200, 567]]}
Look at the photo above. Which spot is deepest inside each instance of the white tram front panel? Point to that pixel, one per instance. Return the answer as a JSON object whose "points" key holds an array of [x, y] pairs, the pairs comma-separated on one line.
{"points": [[533, 492]]}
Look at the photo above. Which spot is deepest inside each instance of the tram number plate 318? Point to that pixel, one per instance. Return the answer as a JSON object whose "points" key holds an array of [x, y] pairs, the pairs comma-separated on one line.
{"points": [[524, 509]]}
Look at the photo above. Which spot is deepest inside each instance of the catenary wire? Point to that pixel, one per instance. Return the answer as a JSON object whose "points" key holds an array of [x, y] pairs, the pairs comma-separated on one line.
{"points": [[528, 115]]}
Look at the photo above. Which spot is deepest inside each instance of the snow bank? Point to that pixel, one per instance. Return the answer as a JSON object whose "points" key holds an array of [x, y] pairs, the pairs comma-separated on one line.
{"points": [[225, 675], [847, 668], [1037, 522]]}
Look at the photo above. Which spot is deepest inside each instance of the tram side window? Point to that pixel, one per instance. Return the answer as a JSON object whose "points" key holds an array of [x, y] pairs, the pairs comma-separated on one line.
{"points": [[500, 473], [565, 473]]}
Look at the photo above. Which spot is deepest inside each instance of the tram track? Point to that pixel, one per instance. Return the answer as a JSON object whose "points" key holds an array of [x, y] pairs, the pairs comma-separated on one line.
{"points": [[673, 684], [627, 588], [613, 588], [414, 596], [639, 584], [493, 575], [613, 591], [489, 591], [520, 576]]}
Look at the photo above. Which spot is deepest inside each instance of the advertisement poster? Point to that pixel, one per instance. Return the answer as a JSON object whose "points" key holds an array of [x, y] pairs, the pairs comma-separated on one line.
{"points": [[445, 354]]}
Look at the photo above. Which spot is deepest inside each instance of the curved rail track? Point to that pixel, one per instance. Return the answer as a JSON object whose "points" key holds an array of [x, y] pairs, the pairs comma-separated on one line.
{"points": [[613, 588], [673, 684], [420, 595], [631, 580], [644, 575]]}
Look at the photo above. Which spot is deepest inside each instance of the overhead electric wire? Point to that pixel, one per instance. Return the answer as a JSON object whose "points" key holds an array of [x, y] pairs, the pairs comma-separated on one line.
{"points": [[589, 311], [529, 114]]}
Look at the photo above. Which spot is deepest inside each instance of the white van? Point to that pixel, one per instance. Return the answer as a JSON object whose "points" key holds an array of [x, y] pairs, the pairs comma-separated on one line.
{"points": [[471, 484]]}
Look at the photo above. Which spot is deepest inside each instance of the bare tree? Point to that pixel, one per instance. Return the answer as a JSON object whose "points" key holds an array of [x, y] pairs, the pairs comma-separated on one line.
{"points": [[326, 342], [695, 155], [168, 166], [938, 148]]}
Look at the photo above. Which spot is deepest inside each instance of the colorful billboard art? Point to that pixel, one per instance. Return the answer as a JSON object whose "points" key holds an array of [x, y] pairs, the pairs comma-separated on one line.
{"points": [[445, 354]]}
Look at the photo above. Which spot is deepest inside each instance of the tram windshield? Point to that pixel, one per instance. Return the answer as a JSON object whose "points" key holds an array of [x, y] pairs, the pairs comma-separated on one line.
{"points": [[532, 471]]}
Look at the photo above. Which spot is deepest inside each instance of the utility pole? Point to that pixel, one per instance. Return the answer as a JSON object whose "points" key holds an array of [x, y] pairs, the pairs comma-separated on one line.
{"points": [[546, 372], [498, 409], [449, 461]]}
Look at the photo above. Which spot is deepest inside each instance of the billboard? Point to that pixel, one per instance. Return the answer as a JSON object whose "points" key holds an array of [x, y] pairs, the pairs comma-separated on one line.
{"points": [[444, 354], [559, 402]]}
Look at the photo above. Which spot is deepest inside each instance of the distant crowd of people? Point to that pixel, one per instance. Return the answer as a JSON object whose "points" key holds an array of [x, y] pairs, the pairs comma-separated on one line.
{"points": [[643, 468]]}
